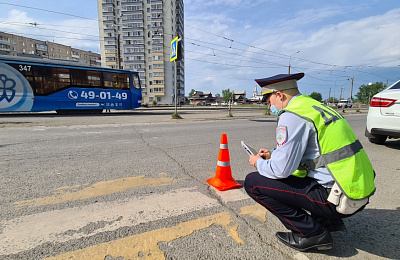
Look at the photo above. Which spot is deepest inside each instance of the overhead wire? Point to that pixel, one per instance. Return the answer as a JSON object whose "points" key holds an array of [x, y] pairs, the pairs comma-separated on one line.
{"points": [[264, 51], [49, 11]]}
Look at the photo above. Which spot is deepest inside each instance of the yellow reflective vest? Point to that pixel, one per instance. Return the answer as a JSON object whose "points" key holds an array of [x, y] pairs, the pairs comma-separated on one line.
{"points": [[341, 153]]}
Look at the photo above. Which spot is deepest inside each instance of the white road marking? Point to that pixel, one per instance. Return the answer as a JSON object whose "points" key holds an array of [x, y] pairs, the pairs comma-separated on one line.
{"points": [[28, 232]]}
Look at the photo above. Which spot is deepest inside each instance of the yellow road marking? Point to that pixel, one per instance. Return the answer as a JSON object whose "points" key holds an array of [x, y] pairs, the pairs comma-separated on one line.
{"points": [[145, 245], [102, 188], [257, 211]]}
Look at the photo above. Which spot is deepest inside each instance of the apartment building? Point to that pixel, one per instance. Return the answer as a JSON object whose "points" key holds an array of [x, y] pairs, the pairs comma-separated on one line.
{"points": [[136, 35], [15, 45]]}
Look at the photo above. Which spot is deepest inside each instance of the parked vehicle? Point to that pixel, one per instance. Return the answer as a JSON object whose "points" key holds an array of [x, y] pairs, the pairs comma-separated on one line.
{"points": [[383, 119], [347, 103]]}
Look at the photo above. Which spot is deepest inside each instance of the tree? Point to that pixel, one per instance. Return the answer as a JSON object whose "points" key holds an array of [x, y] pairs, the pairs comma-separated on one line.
{"points": [[191, 93], [217, 95], [226, 94], [317, 96], [365, 92]]}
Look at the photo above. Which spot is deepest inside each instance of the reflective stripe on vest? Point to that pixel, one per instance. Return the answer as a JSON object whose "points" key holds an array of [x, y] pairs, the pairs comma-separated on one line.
{"points": [[341, 154]]}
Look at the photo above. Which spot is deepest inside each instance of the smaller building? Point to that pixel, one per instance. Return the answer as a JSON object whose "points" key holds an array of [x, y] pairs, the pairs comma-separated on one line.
{"points": [[239, 97], [205, 98], [201, 98]]}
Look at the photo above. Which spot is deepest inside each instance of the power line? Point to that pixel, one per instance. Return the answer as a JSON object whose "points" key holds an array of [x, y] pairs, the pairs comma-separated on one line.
{"points": [[46, 24], [55, 30], [49, 11], [61, 37], [265, 51], [230, 65]]}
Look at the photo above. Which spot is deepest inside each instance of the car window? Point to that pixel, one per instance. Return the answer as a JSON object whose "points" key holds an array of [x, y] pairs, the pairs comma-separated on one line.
{"points": [[395, 86]]}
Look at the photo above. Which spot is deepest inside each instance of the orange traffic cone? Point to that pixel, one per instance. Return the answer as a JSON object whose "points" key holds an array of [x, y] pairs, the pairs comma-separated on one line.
{"points": [[223, 177]]}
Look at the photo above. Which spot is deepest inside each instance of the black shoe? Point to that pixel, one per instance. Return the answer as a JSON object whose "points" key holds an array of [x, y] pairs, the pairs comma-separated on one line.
{"points": [[332, 225], [322, 241]]}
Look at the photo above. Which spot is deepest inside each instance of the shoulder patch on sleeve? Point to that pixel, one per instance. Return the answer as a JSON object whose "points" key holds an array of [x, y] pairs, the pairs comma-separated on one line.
{"points": [[281, 135]]}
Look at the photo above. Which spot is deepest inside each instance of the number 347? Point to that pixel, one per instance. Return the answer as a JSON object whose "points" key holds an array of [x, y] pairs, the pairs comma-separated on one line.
{"points": [[24, 68]]}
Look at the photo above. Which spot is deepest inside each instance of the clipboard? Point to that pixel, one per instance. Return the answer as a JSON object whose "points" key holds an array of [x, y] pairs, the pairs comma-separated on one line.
{"points": [[250, 150]]}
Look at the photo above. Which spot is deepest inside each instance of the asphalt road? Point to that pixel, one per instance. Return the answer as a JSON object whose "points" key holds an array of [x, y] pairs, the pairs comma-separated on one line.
{"points": [[132, 185]]}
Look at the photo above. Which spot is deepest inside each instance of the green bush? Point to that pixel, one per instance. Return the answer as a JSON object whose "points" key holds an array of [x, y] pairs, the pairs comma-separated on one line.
{"points": [[176, 116]]}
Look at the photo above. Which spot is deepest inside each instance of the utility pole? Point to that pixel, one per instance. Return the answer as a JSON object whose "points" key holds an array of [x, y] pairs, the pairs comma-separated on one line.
{"points": [[341, 92], [329, 98], [119, 52], [290, 58], [351, 89]]}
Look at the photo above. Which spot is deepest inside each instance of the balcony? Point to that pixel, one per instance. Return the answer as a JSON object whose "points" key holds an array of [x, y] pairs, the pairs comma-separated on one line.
{"points": [[5, 48], [6, 42]]}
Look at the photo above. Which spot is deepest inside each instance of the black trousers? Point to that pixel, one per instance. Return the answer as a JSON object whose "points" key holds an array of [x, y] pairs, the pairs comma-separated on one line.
{"points": [[289, 200]]}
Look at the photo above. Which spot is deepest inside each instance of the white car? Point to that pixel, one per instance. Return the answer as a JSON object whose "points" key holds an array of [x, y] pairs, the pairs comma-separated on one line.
{"points": [[345, 103], [383, 120]]}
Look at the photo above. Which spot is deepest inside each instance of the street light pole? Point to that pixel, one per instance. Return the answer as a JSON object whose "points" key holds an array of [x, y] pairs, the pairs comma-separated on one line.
{"points": [[290, 58], [351, 89]]}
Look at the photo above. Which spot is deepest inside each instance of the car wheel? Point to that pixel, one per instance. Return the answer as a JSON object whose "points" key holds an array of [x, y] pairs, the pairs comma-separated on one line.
{"points": [[377, 139]]}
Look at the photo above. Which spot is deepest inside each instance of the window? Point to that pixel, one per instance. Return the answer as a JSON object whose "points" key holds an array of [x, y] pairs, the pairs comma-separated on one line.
{"points": [[116, 80], [159, 66], [158, 82], [85, 78], [49, 80], [397, 86]]}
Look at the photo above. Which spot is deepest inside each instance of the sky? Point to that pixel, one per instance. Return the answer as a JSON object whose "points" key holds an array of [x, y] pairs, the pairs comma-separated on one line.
{"points": [[229, 43]]}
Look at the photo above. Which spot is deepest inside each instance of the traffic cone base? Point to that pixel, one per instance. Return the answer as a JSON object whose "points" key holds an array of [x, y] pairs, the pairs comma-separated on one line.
{"points": [[223, 179], [223, 184]]}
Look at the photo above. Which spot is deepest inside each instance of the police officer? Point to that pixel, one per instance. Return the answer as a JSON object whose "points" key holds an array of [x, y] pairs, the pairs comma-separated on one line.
{"points": [[316, 149]]}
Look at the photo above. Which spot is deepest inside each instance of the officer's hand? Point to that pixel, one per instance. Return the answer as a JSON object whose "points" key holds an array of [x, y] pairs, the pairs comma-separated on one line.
{"points": [[264, 153], [253, 159]]}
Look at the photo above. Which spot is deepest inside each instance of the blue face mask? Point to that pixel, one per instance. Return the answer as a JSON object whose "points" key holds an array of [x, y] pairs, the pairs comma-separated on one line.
{"points": [[274, 110]]}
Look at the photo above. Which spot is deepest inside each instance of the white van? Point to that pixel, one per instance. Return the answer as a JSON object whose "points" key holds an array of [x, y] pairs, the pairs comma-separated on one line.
{"points": [[345, 103]]}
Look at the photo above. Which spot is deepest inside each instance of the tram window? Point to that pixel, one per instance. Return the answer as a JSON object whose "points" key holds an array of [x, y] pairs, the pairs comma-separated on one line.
{"points": [[108, 79], [50, 80], [116, 80], [135, 81], [86, 78], [123, 81]]}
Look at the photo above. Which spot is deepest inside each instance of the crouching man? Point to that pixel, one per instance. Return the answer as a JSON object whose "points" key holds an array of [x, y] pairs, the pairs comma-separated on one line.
{"points": [[319, 172]]}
